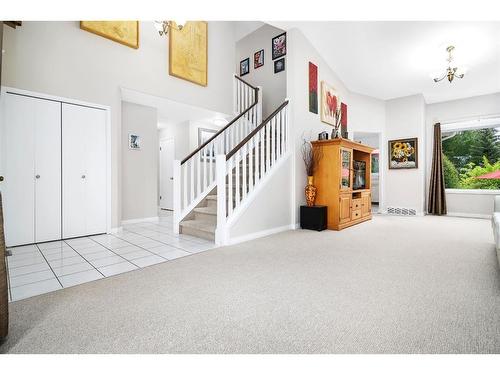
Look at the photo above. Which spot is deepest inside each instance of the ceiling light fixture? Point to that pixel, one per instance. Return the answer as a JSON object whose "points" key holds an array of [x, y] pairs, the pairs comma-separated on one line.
{"points": [[163, 26], [451, 73]]}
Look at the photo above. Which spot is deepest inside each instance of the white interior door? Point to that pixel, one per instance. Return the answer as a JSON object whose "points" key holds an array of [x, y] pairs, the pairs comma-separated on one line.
{"points": [[31, 147], [18, 157], [47, 171], [167, 174], [84, 170]]}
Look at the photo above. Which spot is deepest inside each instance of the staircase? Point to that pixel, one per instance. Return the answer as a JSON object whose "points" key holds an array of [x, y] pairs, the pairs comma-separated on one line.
{"points": [[213, 184]]}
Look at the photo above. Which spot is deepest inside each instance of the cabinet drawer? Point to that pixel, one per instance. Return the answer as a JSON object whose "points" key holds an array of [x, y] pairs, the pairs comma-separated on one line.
{"points": [[356, 204], [356, 214]]}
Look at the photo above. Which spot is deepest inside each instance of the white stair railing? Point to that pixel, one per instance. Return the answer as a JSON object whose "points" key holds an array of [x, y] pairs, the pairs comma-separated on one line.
{"points": [[194, 176], [240, 171]]}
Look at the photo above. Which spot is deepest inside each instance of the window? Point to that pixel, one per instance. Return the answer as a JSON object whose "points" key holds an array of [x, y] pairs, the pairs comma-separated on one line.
{"points": [[471, 155]]}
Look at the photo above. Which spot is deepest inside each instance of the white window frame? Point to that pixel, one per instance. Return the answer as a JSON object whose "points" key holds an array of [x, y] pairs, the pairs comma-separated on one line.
{"points": [[492, 121]]}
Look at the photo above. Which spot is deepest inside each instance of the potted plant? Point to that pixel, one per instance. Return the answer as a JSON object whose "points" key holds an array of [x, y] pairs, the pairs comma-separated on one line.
{"points": [[311, 157]]}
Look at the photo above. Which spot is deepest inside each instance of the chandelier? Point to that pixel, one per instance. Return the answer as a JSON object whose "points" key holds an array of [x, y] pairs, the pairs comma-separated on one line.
{"points": [[163, 26], [451, 73]]}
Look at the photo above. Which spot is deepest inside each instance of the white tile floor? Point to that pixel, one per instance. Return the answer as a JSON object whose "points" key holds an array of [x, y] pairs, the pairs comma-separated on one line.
{"points": [[45, 267]]}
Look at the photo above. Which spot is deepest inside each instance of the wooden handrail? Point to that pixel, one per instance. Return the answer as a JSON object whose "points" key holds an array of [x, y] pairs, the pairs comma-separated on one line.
{"points": [[256, 130], [228, 124], [245, 82]]}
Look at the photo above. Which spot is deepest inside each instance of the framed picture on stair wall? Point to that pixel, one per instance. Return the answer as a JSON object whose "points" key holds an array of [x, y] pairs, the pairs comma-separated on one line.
{"points": [[244, 66], [279, 46], [207, 154]]}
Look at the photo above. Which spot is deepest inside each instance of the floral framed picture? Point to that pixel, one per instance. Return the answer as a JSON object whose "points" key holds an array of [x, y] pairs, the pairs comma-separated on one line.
{"points": [[279, 65], [330, 103], [134, 141], [279, 46], [258, 59], [245, 66], [403, 153]]}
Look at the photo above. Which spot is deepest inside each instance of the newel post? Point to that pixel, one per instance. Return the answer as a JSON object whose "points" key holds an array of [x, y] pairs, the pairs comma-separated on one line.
{"points": [[221, 230], [177, 195]]}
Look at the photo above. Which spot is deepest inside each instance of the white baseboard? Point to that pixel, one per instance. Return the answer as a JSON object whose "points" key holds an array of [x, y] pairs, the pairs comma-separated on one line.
{"points": [[141, 220], [116, 230], [470, 216], [263, 233]]}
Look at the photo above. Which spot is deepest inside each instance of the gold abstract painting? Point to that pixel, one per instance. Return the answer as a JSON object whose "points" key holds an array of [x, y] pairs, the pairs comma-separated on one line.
{"points": [[124, 32], [188, 52]]}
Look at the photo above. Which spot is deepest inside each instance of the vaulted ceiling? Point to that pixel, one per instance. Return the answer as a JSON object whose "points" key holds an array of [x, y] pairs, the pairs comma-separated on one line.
{"points": [[393, 59]]}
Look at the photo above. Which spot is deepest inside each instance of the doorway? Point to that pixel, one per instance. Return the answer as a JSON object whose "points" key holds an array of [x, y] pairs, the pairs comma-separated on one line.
{"points": [[166, 174]]}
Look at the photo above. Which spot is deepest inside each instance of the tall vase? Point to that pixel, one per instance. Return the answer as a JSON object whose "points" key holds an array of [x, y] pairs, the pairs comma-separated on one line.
{"points": [[310, 191]]}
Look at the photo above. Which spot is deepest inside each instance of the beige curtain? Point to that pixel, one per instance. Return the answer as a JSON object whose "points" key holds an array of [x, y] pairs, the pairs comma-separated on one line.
{"points": [[437, 196]]}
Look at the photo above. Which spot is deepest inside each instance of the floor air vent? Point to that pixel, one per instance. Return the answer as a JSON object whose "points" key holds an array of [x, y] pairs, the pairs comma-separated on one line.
{"points": [[403, 211]]}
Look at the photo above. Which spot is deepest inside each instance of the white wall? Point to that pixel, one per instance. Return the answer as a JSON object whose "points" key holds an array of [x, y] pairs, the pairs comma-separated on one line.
{"points": [[60, 59], [271, 209], [140, 167], [466, 203], [273, 85], [364, 113], [405, 118]]}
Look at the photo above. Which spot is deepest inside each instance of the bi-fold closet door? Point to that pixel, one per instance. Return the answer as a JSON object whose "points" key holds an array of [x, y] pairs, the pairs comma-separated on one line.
{"points": [[83, 170], [53, 160], [31, 161]]}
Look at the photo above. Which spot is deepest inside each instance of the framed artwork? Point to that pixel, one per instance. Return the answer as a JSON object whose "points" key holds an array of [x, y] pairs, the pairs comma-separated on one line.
{"points": [[329, 103], [403, 153], [203, 136], [245, 66], [279, 65], [313, 88], [343, 120], [134, 141], [124, 32], [279, 46], [258, 59], [188, 52]]}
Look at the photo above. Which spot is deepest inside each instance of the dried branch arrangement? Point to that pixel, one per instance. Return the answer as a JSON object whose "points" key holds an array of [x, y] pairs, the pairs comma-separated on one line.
{"points": [[311, 156]]}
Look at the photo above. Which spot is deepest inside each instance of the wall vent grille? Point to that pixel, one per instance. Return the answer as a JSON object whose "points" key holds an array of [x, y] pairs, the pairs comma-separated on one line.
{"points": [[401, 211]]}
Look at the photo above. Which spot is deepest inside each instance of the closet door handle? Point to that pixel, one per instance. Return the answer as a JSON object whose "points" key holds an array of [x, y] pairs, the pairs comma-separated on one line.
{"points": [[37, 176], [83, 176]]}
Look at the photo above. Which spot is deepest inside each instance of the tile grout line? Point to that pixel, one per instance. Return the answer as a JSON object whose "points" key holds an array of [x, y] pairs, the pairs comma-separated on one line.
{"points": [[164, 243], [184, 239], [126, 260], [59, 281], [140, 248], [85, 259]]}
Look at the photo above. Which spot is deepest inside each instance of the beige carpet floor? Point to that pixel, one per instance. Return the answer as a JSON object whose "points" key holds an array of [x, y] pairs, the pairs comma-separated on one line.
{"points": [[392, 285]]}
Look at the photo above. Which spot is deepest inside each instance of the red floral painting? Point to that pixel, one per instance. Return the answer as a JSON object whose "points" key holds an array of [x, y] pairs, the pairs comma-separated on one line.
{"points": [[329, 103], [313, 88]]}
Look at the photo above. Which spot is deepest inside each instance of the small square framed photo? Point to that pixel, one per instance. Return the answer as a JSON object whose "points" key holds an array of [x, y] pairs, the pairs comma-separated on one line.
{"points": [[279, 65], [134, 141], [279, 46], [258, 59], [244, 66]]}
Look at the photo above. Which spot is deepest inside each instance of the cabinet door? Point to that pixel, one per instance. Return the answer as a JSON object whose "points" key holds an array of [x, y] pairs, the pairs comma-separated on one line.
{"points": [[344, 208], [345, 168], [84, 170], [366, 204]]}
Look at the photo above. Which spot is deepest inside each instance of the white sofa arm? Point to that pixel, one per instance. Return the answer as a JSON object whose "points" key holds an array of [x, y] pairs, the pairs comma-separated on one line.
{"points": [[497, 203]]}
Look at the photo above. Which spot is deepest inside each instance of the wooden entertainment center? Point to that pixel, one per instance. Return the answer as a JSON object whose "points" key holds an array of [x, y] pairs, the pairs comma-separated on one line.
{"points": [[343, 182]]}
